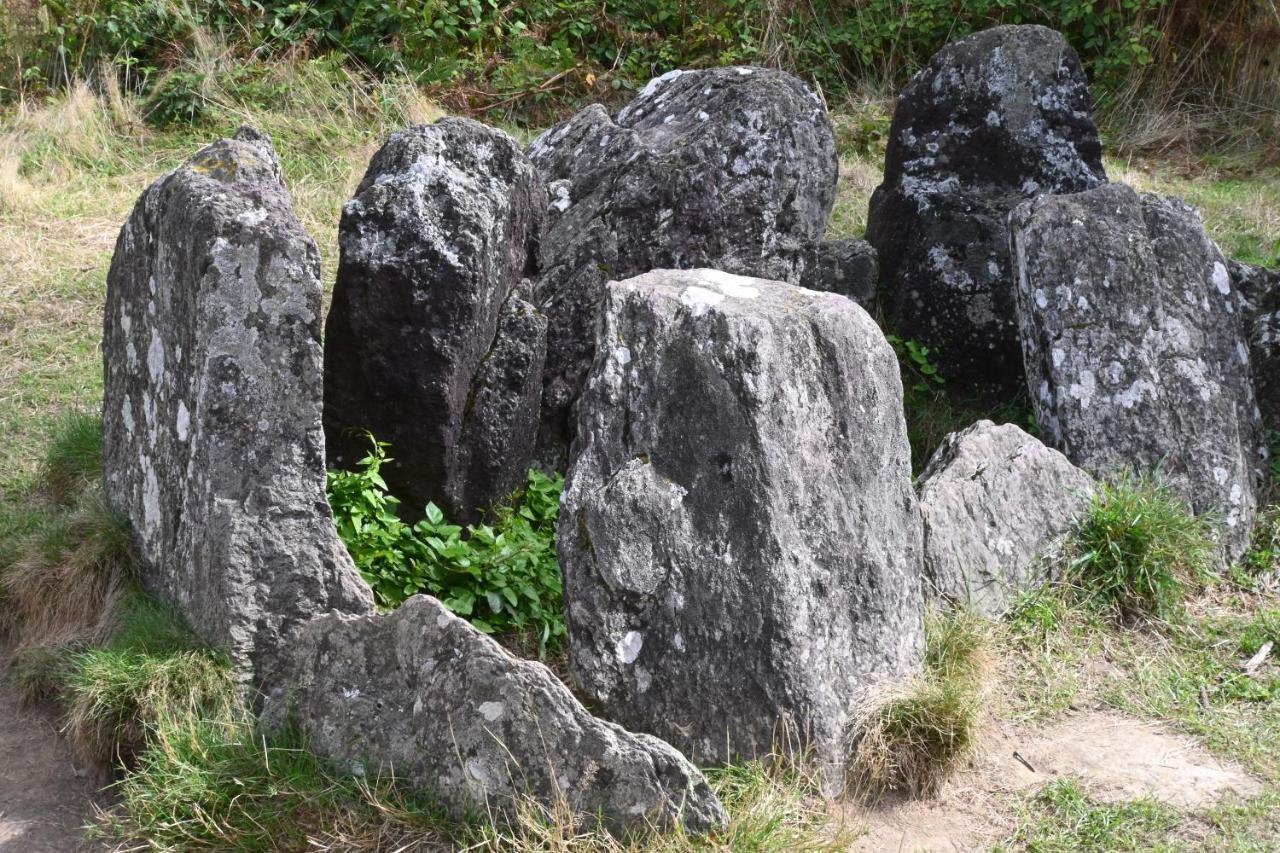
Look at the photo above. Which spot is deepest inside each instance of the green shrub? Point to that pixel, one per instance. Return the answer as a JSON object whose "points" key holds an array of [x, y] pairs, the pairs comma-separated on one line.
{"points": [[501, 576], [1138, 549]]}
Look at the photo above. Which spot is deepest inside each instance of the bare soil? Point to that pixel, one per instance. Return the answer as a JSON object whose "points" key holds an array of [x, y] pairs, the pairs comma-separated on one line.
{"points": [[46, 796], [1114, 757]]}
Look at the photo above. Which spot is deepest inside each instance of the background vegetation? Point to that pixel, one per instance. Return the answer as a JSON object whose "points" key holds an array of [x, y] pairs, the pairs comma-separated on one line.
{"points": [[1208, 63]]}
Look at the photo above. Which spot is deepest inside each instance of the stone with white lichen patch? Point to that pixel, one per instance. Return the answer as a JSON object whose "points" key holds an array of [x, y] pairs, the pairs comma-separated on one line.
{"points": [[1258, 289], [995, 118], [733, 168], [421, 693], [995, 502], [1135, 347], [212, 446], [738, 534], [431, 343]]}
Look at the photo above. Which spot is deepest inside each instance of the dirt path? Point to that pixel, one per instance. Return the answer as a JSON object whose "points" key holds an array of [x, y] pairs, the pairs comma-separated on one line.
{"points": [[45, 796]]}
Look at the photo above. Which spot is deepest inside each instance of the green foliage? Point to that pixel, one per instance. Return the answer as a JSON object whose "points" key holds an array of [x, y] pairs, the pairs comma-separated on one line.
{"points": [[501, 576], [1139, 549], [74, 457], [552, 52]]}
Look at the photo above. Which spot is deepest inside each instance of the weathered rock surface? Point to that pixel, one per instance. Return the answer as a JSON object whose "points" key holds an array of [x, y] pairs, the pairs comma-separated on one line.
{"points": [[847, 267], [994, 501], [421, 692], [1135, 348], [433, 248], [212, 445], [732, 168], [1259, 292], [995, 118], [739, 537]]}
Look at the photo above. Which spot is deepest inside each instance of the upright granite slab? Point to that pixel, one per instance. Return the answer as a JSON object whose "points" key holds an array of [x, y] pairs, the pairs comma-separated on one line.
{"points": [[739, 537], [1259, 292], [1135, 348], [995, 502], [732, 168], [430, 343], [212, 444], [994, 119]]}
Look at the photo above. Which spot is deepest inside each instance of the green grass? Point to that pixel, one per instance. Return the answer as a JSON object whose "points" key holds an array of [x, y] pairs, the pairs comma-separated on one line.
{"points": [[1062, 818], [913, 740], [1139, 549]]}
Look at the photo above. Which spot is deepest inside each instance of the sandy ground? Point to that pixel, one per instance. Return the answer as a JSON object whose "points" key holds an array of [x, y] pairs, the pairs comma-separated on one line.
{"points": [[1114, 757], [46, 797]]}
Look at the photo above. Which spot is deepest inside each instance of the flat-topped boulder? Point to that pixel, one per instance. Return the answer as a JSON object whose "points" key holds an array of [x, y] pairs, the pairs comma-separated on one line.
{"points": [[431, 344], [212, 444], [739, 537], [732, 168], [421, 693], [995, 503], [1135, 349], [995, 118]]}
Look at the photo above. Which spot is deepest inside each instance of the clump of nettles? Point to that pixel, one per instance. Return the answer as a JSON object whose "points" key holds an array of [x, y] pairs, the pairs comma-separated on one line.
{"points": [[912, 739], [1139, 549], [502, 576]]}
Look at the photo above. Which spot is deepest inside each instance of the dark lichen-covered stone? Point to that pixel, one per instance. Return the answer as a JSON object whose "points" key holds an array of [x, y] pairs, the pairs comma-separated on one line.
{"points": [[847, 267], [1135, 348], [995, 503], [435, 241], [1259, 292], [212, 445], [995, 118], [732, 168], [738, 534], [422, 694]]}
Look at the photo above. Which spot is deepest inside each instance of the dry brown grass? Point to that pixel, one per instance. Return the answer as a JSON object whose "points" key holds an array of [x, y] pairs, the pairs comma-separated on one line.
{"points": [[912, 738], [62, 589]]}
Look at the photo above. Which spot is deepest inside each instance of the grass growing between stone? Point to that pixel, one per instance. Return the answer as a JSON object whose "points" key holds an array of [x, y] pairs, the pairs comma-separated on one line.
{"points": [[912, 739]]}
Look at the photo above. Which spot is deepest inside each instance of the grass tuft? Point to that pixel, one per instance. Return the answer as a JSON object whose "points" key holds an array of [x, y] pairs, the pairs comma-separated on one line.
{"points": [[1139, 549], [74, 458], [1062, 818], [912, 740]]}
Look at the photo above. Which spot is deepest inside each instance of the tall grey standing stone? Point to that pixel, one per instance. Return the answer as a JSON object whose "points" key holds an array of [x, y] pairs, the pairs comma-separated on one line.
{"points": [[995, 503], [1135, 348], [429, 345], [995, 118], [1259, 292], [422, 693], [738, 534], [732, 168], [212, 444]]}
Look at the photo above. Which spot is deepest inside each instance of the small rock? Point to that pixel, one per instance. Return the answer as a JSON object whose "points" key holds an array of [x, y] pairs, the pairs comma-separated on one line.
{"points": [[995, 501]]}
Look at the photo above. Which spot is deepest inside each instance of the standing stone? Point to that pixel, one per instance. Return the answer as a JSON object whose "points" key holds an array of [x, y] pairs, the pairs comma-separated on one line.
{"points": [[429, 346], [995, 501], [1259, 292], [739, 537], [995, 118], [1135, 348], [424, 694], [847, 267], [732, 168], [212, 445]]}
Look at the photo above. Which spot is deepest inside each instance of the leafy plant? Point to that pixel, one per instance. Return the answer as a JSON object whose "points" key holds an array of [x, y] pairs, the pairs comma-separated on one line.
{"points": [[1138, 549], [502, 576]]}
